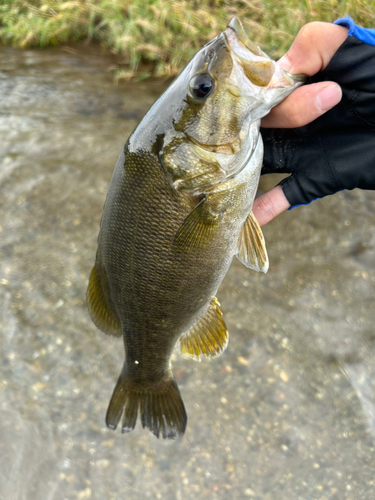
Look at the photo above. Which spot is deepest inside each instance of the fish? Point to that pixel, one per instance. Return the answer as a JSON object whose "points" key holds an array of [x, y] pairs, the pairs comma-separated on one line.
{"points": [[178, 210]]}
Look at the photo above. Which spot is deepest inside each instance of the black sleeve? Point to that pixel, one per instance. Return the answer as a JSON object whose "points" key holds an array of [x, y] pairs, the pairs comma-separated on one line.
{"points": [[337, 150]]}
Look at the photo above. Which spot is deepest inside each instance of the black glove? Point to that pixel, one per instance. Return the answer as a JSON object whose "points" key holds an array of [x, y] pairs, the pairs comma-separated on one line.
{"points": [[337, 150]]}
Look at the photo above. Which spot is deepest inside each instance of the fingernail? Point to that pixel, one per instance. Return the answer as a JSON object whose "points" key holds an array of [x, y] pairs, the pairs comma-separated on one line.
{"points": [[328, 97], [285, 63]]}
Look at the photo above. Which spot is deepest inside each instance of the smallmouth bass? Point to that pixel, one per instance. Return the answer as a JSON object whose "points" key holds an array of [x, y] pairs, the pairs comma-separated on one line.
{"points": [[178, 209]]}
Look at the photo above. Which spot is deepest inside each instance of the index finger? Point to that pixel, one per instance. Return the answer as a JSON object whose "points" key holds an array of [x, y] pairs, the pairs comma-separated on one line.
{"points": [[313, 48]]}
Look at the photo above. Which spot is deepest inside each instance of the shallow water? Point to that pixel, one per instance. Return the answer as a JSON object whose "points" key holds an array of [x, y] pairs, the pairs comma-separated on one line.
{"points": [[287, 412]]}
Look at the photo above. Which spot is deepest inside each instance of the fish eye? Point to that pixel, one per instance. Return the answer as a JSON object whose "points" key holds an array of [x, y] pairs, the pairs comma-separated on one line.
{"points": [[202, 86]]}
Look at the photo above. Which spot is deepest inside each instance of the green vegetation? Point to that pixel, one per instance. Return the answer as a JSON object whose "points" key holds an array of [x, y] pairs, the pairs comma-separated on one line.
{"points": [[165, 34]]}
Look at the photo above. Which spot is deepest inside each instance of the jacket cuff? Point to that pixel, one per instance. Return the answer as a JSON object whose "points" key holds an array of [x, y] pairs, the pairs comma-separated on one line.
{"points": [[366, 35]]}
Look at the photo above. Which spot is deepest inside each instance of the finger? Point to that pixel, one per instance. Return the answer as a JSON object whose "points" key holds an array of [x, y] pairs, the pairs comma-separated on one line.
{"points": [[313, 48], [304, 105], [269, 205]]}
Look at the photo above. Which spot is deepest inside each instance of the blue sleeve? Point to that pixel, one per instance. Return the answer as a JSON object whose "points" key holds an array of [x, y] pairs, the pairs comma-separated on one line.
{"points": [[366, 35]]}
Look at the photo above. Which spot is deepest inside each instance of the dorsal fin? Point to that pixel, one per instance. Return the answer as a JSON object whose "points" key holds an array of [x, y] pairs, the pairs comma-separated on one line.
{"points": [[251, 246], [101, 312], [208, 337]]}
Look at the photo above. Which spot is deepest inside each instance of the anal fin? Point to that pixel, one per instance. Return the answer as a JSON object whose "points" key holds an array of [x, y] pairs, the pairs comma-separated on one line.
{"points": [[251, 246], [100, 310], [208, 337]]}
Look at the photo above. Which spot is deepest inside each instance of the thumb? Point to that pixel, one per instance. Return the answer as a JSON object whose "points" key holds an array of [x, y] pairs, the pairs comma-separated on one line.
{"points": [[304, 105]]}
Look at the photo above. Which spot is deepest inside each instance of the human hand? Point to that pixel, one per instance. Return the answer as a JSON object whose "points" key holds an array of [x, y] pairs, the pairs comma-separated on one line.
{"points": [[310, 53]]}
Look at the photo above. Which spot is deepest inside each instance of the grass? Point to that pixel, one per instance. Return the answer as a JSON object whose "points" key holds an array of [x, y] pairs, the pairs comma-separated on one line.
{"points": [[165, 34]]}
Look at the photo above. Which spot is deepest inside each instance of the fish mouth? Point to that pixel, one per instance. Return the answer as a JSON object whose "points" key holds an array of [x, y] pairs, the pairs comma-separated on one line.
{"points": [[236, 25], [258, 67]]}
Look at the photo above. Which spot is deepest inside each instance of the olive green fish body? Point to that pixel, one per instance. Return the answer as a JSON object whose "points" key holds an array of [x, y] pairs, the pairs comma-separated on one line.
{"points": [[177, 211], [157, 290]]}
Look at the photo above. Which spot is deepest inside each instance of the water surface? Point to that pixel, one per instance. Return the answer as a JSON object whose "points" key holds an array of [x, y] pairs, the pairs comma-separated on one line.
{"points": [[287, 412]]}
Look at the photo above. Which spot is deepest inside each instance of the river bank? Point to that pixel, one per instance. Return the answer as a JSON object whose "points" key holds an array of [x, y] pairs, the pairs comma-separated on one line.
{"points": [[165, 34]]}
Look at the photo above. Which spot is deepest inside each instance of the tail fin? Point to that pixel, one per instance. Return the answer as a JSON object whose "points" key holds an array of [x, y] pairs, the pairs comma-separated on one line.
{"points": [[161, 407]]}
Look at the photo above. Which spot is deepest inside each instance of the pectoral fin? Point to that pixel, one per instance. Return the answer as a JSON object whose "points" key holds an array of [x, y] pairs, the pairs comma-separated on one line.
{"points": [[198, 228], [100, 310], [208, 337], [251, 246]]}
